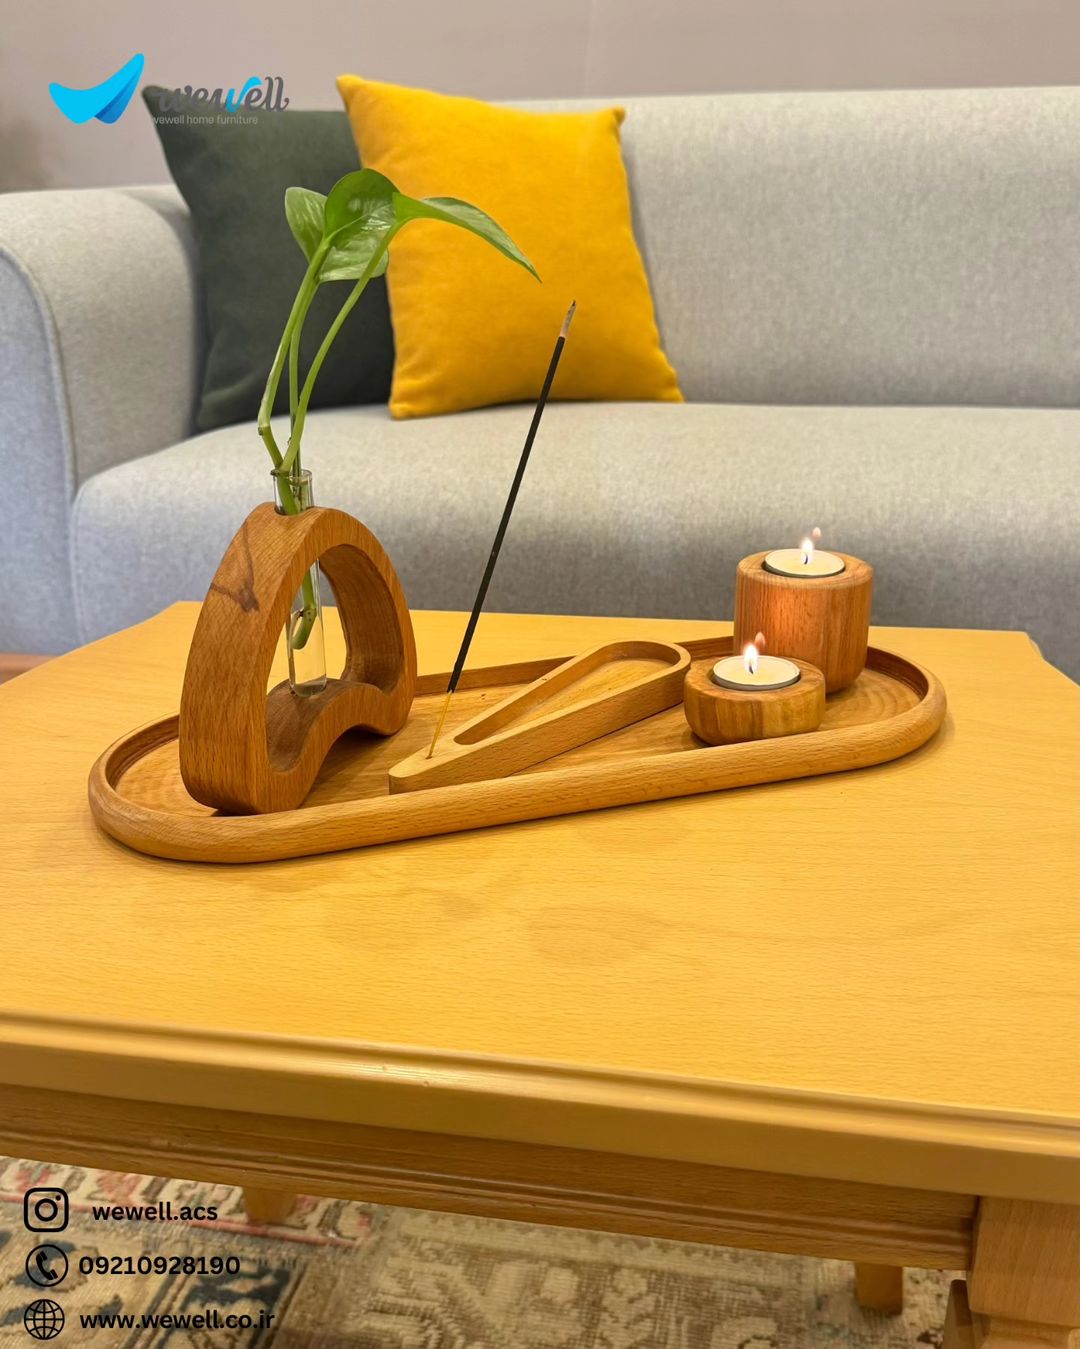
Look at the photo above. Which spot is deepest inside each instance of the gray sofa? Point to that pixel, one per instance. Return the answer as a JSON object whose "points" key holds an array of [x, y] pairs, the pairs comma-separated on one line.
{"points": [[873, 304]]}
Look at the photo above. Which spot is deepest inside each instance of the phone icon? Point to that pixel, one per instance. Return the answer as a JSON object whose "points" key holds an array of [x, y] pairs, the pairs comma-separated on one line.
{"points": [[46, 1266]]}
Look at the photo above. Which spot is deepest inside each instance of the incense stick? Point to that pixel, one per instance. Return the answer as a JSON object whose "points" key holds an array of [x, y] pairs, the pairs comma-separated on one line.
{"points": [[508, 510]]}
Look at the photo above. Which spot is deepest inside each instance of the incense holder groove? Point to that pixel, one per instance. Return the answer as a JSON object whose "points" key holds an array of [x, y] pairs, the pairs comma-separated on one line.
{"points": [[600, 691]]}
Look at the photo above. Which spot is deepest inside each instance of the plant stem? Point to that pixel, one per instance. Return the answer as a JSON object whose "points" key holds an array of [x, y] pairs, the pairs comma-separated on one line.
{"points": [[301, 304], [271, 445], [297, 638], [289, 345], [294, 371], [298, 402], [291, 457]]}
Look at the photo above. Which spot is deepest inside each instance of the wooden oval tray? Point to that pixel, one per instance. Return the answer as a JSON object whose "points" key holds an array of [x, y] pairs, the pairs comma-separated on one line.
{"points": [[137, 796]]}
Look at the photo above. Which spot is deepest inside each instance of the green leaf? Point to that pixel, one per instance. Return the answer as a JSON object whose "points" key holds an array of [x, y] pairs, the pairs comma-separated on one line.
{"points": [[347, 261], [471, 218], [363, 200], [304, 211]]}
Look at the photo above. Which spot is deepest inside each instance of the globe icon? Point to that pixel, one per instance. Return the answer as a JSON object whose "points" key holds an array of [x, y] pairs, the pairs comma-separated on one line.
{"points": [[44, 1319]]}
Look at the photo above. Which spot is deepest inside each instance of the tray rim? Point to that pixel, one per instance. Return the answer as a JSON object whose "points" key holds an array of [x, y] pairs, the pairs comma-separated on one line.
{"points": [[347, 825]]}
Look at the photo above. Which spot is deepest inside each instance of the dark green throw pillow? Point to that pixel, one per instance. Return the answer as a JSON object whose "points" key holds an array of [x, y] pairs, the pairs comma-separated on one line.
{"points": [[233, 175]]}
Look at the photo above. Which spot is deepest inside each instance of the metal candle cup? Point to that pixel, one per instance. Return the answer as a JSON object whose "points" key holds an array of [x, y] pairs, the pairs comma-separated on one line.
{"points": [[803, 563], [763, 674]]}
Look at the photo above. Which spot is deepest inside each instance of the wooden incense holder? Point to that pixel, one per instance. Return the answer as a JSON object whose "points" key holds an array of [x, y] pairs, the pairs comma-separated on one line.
{"points": [[721, 716], [824, 620], [249, 752], [589, 696]]}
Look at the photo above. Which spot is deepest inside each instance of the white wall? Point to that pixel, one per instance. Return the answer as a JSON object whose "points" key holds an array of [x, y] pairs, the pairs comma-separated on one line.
{"points": [[493, 49]]}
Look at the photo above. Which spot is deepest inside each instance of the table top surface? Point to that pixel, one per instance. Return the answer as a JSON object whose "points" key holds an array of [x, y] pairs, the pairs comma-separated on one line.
{"points": [[889, 955]]}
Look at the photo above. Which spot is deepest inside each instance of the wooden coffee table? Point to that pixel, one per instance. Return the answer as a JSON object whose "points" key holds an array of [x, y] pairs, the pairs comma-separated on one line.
{"points": [[837, 1017]]}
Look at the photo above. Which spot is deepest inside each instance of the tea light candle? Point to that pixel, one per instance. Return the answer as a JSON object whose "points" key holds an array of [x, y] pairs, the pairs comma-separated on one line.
{"points": [[752, 697], [804, 560], [752, 670]]}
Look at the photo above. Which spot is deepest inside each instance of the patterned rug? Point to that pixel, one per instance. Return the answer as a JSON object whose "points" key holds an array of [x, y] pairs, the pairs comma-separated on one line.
{"points": [[337, 1275]]}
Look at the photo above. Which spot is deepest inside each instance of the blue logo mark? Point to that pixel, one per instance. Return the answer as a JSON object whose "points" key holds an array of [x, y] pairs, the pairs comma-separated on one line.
{"points": [[233, 99], [105, 101]]}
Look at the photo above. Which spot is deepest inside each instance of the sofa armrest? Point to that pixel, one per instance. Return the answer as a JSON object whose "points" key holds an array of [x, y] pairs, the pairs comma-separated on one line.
{"points": [[101, 335]]}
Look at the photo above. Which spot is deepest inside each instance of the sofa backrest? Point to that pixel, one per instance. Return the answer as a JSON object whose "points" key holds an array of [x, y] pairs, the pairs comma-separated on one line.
{"points": [[896, 247]]}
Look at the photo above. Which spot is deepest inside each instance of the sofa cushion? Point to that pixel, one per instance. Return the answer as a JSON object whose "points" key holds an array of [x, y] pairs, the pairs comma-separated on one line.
{"points": [[967, 513], [233, 173], [469, 329]]}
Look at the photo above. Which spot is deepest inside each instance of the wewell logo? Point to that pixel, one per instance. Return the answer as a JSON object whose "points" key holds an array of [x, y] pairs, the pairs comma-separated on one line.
{"points": [[105, 101], [269, 92]]}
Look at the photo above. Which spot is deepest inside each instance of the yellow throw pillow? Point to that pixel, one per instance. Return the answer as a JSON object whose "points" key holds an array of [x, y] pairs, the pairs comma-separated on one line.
{"points": [[471, 329]]}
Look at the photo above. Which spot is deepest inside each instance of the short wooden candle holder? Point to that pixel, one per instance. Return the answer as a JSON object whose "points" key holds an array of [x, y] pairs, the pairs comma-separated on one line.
{"points": [[824, 620], [722, 716]]}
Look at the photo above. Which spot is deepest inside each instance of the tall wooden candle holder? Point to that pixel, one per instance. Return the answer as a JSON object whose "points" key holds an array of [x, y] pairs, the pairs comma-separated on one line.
{"points": [[824, 620], [245, 751]]}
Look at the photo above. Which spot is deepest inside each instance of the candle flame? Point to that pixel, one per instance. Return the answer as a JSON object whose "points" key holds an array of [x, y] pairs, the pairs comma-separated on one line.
{"points": [[750, 658], [808, 544]]}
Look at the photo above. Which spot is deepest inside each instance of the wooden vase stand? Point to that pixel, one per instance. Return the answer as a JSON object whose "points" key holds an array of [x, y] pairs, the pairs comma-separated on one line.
{"points": [[244, 750]]}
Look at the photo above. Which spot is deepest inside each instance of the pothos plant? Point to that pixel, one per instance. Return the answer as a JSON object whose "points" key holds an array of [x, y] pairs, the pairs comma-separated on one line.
{"points": [[346, 236]]}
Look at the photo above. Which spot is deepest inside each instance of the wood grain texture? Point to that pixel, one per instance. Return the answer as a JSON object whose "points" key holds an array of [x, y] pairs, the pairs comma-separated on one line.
{"points": [[999, 1334], [243, 750], [963, 1329], [824, 620], [588, 696], [880, 1288], [604, 1191], [14, 663], [722, 716], [893, 709], [647, 975], [1025, 1276], [996, 1333], [654, 1114], [268, 1207]]}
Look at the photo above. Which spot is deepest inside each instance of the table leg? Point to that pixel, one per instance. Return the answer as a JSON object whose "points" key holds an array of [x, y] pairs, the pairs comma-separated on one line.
{"points": [[963, 1330], [1024, 1286], [267, 1206], [880, 1288]]}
